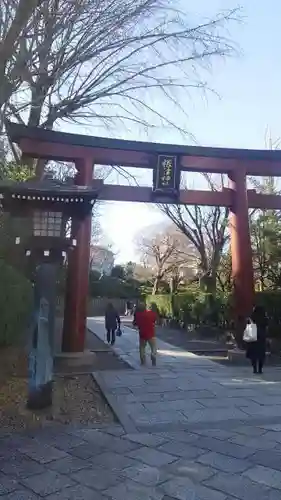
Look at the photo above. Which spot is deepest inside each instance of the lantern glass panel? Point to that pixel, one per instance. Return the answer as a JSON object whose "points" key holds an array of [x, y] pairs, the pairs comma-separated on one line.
{"points": [[47, 223]]}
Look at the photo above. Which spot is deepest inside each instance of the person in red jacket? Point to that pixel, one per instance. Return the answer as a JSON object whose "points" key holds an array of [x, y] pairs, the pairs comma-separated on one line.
{"points": [[144, 320]]}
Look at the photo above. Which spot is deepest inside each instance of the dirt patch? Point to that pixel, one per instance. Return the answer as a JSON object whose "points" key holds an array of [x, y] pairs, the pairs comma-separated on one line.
{"points": [[76, 400]]}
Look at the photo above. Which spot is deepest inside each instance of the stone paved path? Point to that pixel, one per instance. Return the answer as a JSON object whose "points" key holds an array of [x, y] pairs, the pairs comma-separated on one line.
{"points": [[186, 390], [194, 430]]}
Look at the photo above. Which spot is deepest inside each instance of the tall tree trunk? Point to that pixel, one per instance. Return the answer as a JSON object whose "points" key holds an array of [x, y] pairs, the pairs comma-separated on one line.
{"points": [[156, 284]]}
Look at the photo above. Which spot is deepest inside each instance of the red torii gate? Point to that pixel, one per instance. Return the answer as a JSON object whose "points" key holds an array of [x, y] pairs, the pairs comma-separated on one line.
{"points": [[86, 151]]}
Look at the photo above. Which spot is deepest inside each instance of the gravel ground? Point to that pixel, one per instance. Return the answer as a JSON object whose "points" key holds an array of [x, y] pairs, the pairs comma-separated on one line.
{"points": [[76, 399]]}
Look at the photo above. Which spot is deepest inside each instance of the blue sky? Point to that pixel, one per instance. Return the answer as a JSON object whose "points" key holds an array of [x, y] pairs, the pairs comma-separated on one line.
{"points": [[249, 87]]}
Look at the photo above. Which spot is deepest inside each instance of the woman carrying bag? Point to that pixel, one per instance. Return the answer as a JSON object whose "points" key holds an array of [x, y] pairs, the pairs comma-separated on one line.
{"points": [[255, 338], [112, 323]]}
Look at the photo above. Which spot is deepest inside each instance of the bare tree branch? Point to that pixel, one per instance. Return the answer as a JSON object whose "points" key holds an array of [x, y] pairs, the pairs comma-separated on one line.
{"points": [[165, 253], [206, 230], [109, 61], [14, 16]]}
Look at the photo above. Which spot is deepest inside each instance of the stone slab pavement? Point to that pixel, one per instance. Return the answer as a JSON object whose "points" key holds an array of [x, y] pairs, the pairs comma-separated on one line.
{"points": [[165, 453], [186, 391], [240, 463]]}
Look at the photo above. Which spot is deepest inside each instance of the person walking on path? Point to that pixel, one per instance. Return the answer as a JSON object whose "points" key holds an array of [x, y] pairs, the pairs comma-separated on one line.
{"points": [[145, 320], [256, 351], [112, 322], [128, 310]]}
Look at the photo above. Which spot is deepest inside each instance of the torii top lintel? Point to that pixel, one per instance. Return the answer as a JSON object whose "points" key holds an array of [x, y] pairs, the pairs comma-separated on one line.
{"points": [[49, 144]]}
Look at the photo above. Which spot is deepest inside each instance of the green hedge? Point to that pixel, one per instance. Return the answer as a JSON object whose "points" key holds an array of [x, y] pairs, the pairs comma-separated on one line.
{"points": [[193, 308], [163, 303], [197, 308], [15, 304]]}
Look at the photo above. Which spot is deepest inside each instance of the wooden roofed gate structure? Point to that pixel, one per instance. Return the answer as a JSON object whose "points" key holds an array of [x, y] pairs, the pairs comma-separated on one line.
{"points": [[168, 160]]}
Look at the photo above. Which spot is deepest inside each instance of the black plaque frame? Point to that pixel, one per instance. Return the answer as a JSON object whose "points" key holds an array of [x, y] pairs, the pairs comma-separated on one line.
{"points": [[166, 176]]}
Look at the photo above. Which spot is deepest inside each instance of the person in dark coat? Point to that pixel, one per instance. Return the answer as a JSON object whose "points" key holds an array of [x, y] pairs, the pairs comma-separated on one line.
{"points": [[256, 351], [112, 322], [128, 310]]}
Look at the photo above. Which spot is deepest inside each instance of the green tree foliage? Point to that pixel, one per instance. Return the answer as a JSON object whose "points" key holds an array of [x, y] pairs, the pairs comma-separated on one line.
{"points": [[15, 288], [10, 226], [113, 287], [130, 270], [15, 304], [118, 272], [266, 238], [10, 170], [266, 244], [224, 273]]}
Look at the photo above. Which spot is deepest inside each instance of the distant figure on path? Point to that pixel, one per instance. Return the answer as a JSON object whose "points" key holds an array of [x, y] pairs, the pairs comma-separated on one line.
{"points": [[112, 322], [145, 320], [256, 351], [129, 308]]}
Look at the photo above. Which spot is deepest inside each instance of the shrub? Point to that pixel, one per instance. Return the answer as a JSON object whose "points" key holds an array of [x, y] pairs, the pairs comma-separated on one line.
{"points": [[162, 302], [15, 304], [271, 301], [193, 307], [197, 308]]}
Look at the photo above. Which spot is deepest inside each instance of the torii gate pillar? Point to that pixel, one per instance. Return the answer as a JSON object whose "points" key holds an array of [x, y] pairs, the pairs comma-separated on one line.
{"points": [[76, 293], [241, 251]]}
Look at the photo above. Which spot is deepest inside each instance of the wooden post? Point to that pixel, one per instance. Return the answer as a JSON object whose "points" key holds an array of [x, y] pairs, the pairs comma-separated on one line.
{"points": [[241, 251], [76, 294]]}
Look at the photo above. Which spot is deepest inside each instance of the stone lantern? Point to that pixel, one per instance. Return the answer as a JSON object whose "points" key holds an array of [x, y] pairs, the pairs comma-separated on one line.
{"points": [[47, 206]]}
